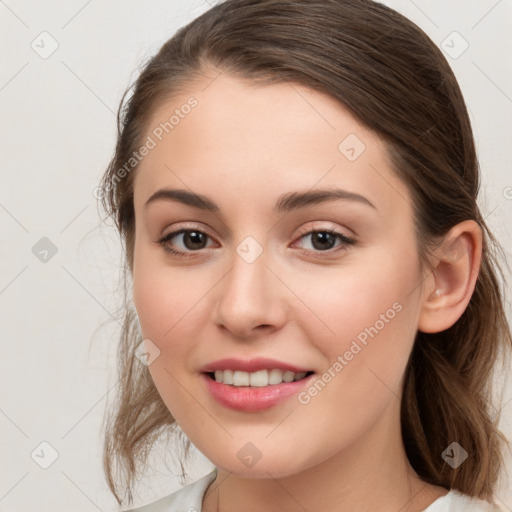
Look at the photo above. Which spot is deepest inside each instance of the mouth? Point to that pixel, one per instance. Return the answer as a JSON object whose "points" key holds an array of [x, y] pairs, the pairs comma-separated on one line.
{"points": [[261, 378], [255, 391]]}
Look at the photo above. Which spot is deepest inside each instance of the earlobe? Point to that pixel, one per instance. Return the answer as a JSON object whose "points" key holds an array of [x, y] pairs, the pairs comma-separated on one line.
{"points": [[453, 279]]}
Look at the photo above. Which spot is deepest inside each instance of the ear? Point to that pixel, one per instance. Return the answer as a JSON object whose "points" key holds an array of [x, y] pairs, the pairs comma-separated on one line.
{"points": [[449, 287]]}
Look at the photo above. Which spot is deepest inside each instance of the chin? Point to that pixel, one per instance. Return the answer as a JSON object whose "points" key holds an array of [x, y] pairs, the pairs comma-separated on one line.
{"points": [[276, 466]]}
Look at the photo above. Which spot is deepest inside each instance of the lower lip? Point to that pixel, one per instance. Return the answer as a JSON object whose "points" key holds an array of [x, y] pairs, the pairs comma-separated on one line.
{"points": [[252, 399]]}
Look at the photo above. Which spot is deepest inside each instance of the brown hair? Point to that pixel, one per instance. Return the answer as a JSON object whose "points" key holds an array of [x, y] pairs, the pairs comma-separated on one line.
{"points": [[396, 81]]}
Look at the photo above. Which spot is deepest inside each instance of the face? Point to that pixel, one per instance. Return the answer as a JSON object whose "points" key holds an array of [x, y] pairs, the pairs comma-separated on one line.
{"points": [[329, 286]]}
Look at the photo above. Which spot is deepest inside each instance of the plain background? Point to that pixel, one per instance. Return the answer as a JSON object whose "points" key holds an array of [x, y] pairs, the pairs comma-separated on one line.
{"points": [[60, 266]]}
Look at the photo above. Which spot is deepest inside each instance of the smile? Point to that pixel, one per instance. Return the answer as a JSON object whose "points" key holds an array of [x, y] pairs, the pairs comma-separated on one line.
{"points": [[261, 378]]}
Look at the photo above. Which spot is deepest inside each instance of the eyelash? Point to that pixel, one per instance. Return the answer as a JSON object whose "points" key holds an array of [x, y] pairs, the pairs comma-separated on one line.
{"points": [[163, 241]]}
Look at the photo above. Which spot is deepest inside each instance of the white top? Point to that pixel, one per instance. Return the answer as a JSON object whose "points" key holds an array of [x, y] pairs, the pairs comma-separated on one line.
{"points": [[190, 498]]}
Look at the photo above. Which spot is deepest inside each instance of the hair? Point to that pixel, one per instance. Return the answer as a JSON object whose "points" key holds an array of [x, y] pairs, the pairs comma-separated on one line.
{"points": [[397, 82]]}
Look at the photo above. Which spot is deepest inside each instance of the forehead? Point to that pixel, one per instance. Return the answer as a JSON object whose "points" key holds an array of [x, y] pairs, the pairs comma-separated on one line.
{"points": [[241, 140]]}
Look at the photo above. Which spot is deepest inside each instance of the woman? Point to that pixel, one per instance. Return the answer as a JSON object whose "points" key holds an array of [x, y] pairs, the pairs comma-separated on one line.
{"points": [[314, 284]]}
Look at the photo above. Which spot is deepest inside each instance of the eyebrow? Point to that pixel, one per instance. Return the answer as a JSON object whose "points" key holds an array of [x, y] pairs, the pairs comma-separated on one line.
{"points": [[285, 203]]}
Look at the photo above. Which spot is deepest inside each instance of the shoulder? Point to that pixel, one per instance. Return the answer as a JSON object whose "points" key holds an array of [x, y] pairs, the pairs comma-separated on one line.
{"points": [[186, 499], [456, 501]]}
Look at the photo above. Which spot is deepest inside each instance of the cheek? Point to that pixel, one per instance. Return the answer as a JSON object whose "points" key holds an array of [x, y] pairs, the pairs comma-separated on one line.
{"points": [[164, 304], [173, 308], [167, 317], [352, 298], [159, 294], [372, 316]]}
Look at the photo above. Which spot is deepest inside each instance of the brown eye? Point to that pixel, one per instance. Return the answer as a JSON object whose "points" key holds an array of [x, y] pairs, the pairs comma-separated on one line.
{"points": [[192, 240], [324, 240]]}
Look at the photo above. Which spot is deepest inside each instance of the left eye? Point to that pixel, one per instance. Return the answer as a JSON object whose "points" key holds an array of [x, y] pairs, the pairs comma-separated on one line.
{"points": [[326, 237]]}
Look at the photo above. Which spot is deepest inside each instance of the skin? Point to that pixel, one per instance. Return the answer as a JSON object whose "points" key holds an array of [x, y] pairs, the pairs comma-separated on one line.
{"points": [[243, 146]]}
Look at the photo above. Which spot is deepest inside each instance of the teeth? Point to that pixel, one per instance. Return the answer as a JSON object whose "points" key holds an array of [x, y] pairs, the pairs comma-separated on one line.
{"points": [[240, 378], [258, 379]]}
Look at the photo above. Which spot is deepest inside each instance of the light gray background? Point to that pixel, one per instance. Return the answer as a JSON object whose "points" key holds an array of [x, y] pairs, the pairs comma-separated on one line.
{"points": [[57, 136]]}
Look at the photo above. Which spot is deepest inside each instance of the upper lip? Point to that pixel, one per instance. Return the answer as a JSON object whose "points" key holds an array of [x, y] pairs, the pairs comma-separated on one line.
{"points": [[251, 365]]}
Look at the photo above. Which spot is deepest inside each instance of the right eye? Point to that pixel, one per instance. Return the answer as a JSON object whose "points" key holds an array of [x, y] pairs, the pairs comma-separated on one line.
{"points": [[191, 238]]}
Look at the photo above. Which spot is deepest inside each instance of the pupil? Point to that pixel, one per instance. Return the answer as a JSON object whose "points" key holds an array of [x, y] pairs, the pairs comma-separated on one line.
{"points": [[190, 236], [322, 236]]}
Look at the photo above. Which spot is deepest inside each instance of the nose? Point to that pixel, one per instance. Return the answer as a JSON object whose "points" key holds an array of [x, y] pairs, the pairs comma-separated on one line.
{"points": [[251, 299]]}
